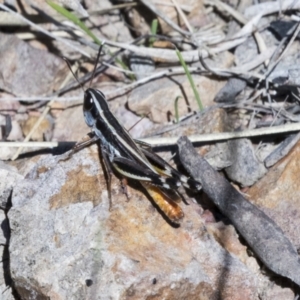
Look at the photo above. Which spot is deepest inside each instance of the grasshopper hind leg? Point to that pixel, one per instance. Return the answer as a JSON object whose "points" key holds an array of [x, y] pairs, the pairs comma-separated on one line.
{"points": [[108, 173], [166, 204]]}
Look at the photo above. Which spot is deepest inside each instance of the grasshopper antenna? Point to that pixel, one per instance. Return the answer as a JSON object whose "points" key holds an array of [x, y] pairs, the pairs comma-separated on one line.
{"points": [[137, 122], [97, 60], [94, 71], [69, 65]]}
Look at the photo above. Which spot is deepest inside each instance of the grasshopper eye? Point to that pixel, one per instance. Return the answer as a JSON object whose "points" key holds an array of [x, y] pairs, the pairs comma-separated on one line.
{"points": [[88, 103], [89, 109]]}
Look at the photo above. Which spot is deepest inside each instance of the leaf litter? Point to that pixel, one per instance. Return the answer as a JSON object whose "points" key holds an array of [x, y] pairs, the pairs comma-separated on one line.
{"points": [[242, 61]]}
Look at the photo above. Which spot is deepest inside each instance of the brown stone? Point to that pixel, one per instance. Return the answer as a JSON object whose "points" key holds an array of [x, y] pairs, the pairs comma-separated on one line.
{"points": [[277, 194]]}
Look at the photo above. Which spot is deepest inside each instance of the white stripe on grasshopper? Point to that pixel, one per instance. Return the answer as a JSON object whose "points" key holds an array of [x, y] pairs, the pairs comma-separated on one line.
{"points": [[132, 151], [130, 175], [168, 171], [183, 179], [141, 178]]}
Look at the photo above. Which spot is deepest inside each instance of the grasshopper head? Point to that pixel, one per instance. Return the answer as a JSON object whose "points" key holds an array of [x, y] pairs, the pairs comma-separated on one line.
{"points": [[93, 104]]}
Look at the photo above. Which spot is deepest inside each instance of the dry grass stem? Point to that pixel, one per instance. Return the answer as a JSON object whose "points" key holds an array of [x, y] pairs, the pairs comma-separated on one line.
{"points": [[39, 28], [165, 18], [185, 20], [223, 136], [161, 141]]}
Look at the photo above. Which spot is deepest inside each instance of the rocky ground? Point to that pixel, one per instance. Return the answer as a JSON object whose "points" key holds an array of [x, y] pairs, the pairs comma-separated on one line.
{"points": [[239, 237]]}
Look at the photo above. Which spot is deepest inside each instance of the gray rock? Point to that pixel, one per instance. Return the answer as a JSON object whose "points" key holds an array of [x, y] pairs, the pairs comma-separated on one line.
{"points": [[230, 90], [245, 169], [9, 176], [219, 156], [66, 244], [29, 71]]}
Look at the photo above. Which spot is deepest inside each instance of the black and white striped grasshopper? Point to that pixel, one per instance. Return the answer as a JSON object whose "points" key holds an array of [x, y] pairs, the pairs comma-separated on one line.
{"points": [[132, 159]]}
